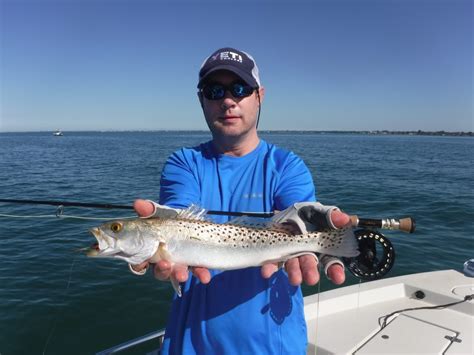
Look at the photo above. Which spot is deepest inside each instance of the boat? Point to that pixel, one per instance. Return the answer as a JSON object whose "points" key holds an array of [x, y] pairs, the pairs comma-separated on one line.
{"points": [[57, 133], [431, 313], [399, 315]]}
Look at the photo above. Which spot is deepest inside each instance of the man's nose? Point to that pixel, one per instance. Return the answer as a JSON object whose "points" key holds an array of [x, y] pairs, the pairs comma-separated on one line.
{"points": [[228, 101]]}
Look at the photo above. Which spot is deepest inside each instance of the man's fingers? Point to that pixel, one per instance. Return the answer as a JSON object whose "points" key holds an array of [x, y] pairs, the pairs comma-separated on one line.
{"points": [[162, 270], [293, 269], [336, 274], [180, 272], [143, 208], [268, 270], [339, 219], [309, 269], [202, 274]]}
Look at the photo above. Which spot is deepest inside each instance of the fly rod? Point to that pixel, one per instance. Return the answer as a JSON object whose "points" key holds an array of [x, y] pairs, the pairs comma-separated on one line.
{"points": [[110, 206], [405, 224]]}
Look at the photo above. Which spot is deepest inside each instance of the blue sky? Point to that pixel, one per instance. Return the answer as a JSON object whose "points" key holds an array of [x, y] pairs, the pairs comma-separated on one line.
{"points": [[326, 65]]}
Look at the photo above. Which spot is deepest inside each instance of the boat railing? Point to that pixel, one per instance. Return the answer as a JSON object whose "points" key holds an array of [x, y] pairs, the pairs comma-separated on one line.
{"points": [[159, 335]]}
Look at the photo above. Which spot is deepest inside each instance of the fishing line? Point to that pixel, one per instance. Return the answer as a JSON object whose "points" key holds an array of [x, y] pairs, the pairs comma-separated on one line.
{"points": [[320, 269], [358, 302], [18, 216], [64, 216], [60, 312]]}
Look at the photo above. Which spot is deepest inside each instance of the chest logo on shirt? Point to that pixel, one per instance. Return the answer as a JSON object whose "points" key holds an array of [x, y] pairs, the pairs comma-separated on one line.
{"points": [[251, 195]]}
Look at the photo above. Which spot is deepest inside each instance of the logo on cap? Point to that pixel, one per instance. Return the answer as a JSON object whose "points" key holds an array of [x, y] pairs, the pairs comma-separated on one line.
{"points": [[228, 56]]}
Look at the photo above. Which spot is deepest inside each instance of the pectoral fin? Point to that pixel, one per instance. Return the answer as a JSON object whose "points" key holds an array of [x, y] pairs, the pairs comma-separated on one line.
{"points": [[163, 254], [281, 262], [176, 286]]}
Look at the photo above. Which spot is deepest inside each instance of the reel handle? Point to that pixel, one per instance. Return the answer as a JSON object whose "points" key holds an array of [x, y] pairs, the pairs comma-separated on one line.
{"points": [[407, 224]]}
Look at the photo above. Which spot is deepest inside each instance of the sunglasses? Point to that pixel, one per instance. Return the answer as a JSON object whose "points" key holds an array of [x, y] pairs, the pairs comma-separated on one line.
{"points": [[217, 91]]}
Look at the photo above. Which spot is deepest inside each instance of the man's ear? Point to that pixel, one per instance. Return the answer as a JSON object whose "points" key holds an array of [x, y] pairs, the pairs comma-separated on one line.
{"points": [[261, 93]]}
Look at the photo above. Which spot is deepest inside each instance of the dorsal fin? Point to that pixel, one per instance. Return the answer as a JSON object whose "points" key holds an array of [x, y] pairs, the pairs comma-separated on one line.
{"points": [[193, 212], [259, 222], [247, 221]]}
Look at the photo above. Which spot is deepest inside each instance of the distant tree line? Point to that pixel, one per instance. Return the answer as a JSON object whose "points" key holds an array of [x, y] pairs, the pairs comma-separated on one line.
{"points": [[425, 133], [380, 132]]}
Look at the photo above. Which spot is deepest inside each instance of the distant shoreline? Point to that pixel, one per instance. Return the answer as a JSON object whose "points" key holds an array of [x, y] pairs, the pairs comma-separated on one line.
{"points": [[382, 132], [363, 132]]}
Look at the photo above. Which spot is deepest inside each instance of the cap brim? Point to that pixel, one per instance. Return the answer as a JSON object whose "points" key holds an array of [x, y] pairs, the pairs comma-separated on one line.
{"points": [[241, 74]]}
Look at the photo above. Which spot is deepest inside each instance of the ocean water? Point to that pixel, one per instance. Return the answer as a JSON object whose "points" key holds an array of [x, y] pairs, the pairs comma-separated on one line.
{"points": [[54, 300]]}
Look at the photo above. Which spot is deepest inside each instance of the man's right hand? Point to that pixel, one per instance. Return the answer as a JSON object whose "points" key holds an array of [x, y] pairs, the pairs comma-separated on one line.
{"points": [[163, 269]]}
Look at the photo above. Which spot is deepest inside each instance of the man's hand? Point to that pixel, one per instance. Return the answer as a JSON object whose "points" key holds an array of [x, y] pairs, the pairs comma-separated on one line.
{"points": [[304, 268], [164, 270], [143, 208]]}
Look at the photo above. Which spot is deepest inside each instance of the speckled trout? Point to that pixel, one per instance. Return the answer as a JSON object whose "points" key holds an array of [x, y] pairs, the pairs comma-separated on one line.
{"points": [[196, 242]]}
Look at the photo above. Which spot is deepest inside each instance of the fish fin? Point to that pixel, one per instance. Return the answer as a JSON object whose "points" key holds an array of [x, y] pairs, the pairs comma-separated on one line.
{"points": [[256, 222], [259, 222], [281, 261], [339, 242], [176, 286], [160, 253], [163, 254], [193, 212]]}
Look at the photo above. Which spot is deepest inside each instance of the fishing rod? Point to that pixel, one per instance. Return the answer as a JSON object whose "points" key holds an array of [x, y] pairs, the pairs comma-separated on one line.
{"points": [[111, 206], [375, 259], [405, 224]]}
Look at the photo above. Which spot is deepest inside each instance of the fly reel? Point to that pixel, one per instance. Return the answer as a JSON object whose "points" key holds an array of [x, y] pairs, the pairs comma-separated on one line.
{"points": [[376, 257]]}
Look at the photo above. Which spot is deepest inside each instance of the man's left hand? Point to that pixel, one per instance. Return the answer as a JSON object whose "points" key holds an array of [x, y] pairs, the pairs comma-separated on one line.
{"points": [[305, 268]]}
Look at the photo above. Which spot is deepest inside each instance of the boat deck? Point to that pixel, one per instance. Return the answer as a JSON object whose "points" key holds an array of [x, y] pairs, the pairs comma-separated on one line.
{"points": [[346, 320]]}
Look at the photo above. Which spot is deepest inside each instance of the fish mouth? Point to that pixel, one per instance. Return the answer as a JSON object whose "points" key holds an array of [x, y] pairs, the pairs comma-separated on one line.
{"points": [[104, 247], [92, 251]]}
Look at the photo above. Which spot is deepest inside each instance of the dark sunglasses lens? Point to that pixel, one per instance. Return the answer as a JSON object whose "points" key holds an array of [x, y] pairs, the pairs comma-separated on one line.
{"points": [[217, 91], [214, 92], [241, 90]]}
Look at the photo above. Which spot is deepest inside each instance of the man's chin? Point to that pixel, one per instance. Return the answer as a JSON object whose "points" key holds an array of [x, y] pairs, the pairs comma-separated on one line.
{"points": [[228, 130]]}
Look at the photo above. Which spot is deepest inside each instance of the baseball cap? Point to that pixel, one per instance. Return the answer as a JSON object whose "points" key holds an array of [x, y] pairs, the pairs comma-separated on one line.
{"points": [[231, 59]]}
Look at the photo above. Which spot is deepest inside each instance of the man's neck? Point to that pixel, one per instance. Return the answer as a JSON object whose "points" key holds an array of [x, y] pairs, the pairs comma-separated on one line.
{"points": [[236, 147]]}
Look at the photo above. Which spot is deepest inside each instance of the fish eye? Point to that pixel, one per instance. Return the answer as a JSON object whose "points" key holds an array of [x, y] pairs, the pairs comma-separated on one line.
{"points": [[116, 227]]}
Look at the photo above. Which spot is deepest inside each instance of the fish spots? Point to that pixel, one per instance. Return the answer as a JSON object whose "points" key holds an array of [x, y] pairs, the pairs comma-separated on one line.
{"points": [[248, 238]]}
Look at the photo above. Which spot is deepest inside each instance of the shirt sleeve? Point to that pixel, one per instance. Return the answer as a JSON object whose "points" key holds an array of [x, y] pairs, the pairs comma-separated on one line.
{"points": [[295, 183], [179, 186]]}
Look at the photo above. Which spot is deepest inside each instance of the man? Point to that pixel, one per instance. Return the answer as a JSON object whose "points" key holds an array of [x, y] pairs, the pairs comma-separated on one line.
{"points": [[254, 310]]}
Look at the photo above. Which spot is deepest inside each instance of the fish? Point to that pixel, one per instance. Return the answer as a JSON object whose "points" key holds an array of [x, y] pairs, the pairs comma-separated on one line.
{"points": [[189, 239]]}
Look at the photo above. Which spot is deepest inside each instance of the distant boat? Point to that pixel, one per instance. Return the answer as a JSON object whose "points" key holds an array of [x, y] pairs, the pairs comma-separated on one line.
{"points": [[58, 133]]}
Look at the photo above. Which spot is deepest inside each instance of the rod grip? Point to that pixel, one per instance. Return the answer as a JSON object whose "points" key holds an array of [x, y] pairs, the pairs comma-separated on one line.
{"points": [[407, 224]]}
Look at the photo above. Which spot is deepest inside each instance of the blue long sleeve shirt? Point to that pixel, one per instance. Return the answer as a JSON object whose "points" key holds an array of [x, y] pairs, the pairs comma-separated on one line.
{"points": [[238, 312]]}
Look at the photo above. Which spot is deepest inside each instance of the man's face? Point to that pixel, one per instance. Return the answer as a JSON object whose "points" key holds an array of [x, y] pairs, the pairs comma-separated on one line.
{"points": [[230, 116]]}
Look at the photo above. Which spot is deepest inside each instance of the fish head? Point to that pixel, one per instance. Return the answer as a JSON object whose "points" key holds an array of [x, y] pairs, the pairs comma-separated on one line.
{"points": [[122, 240]]}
